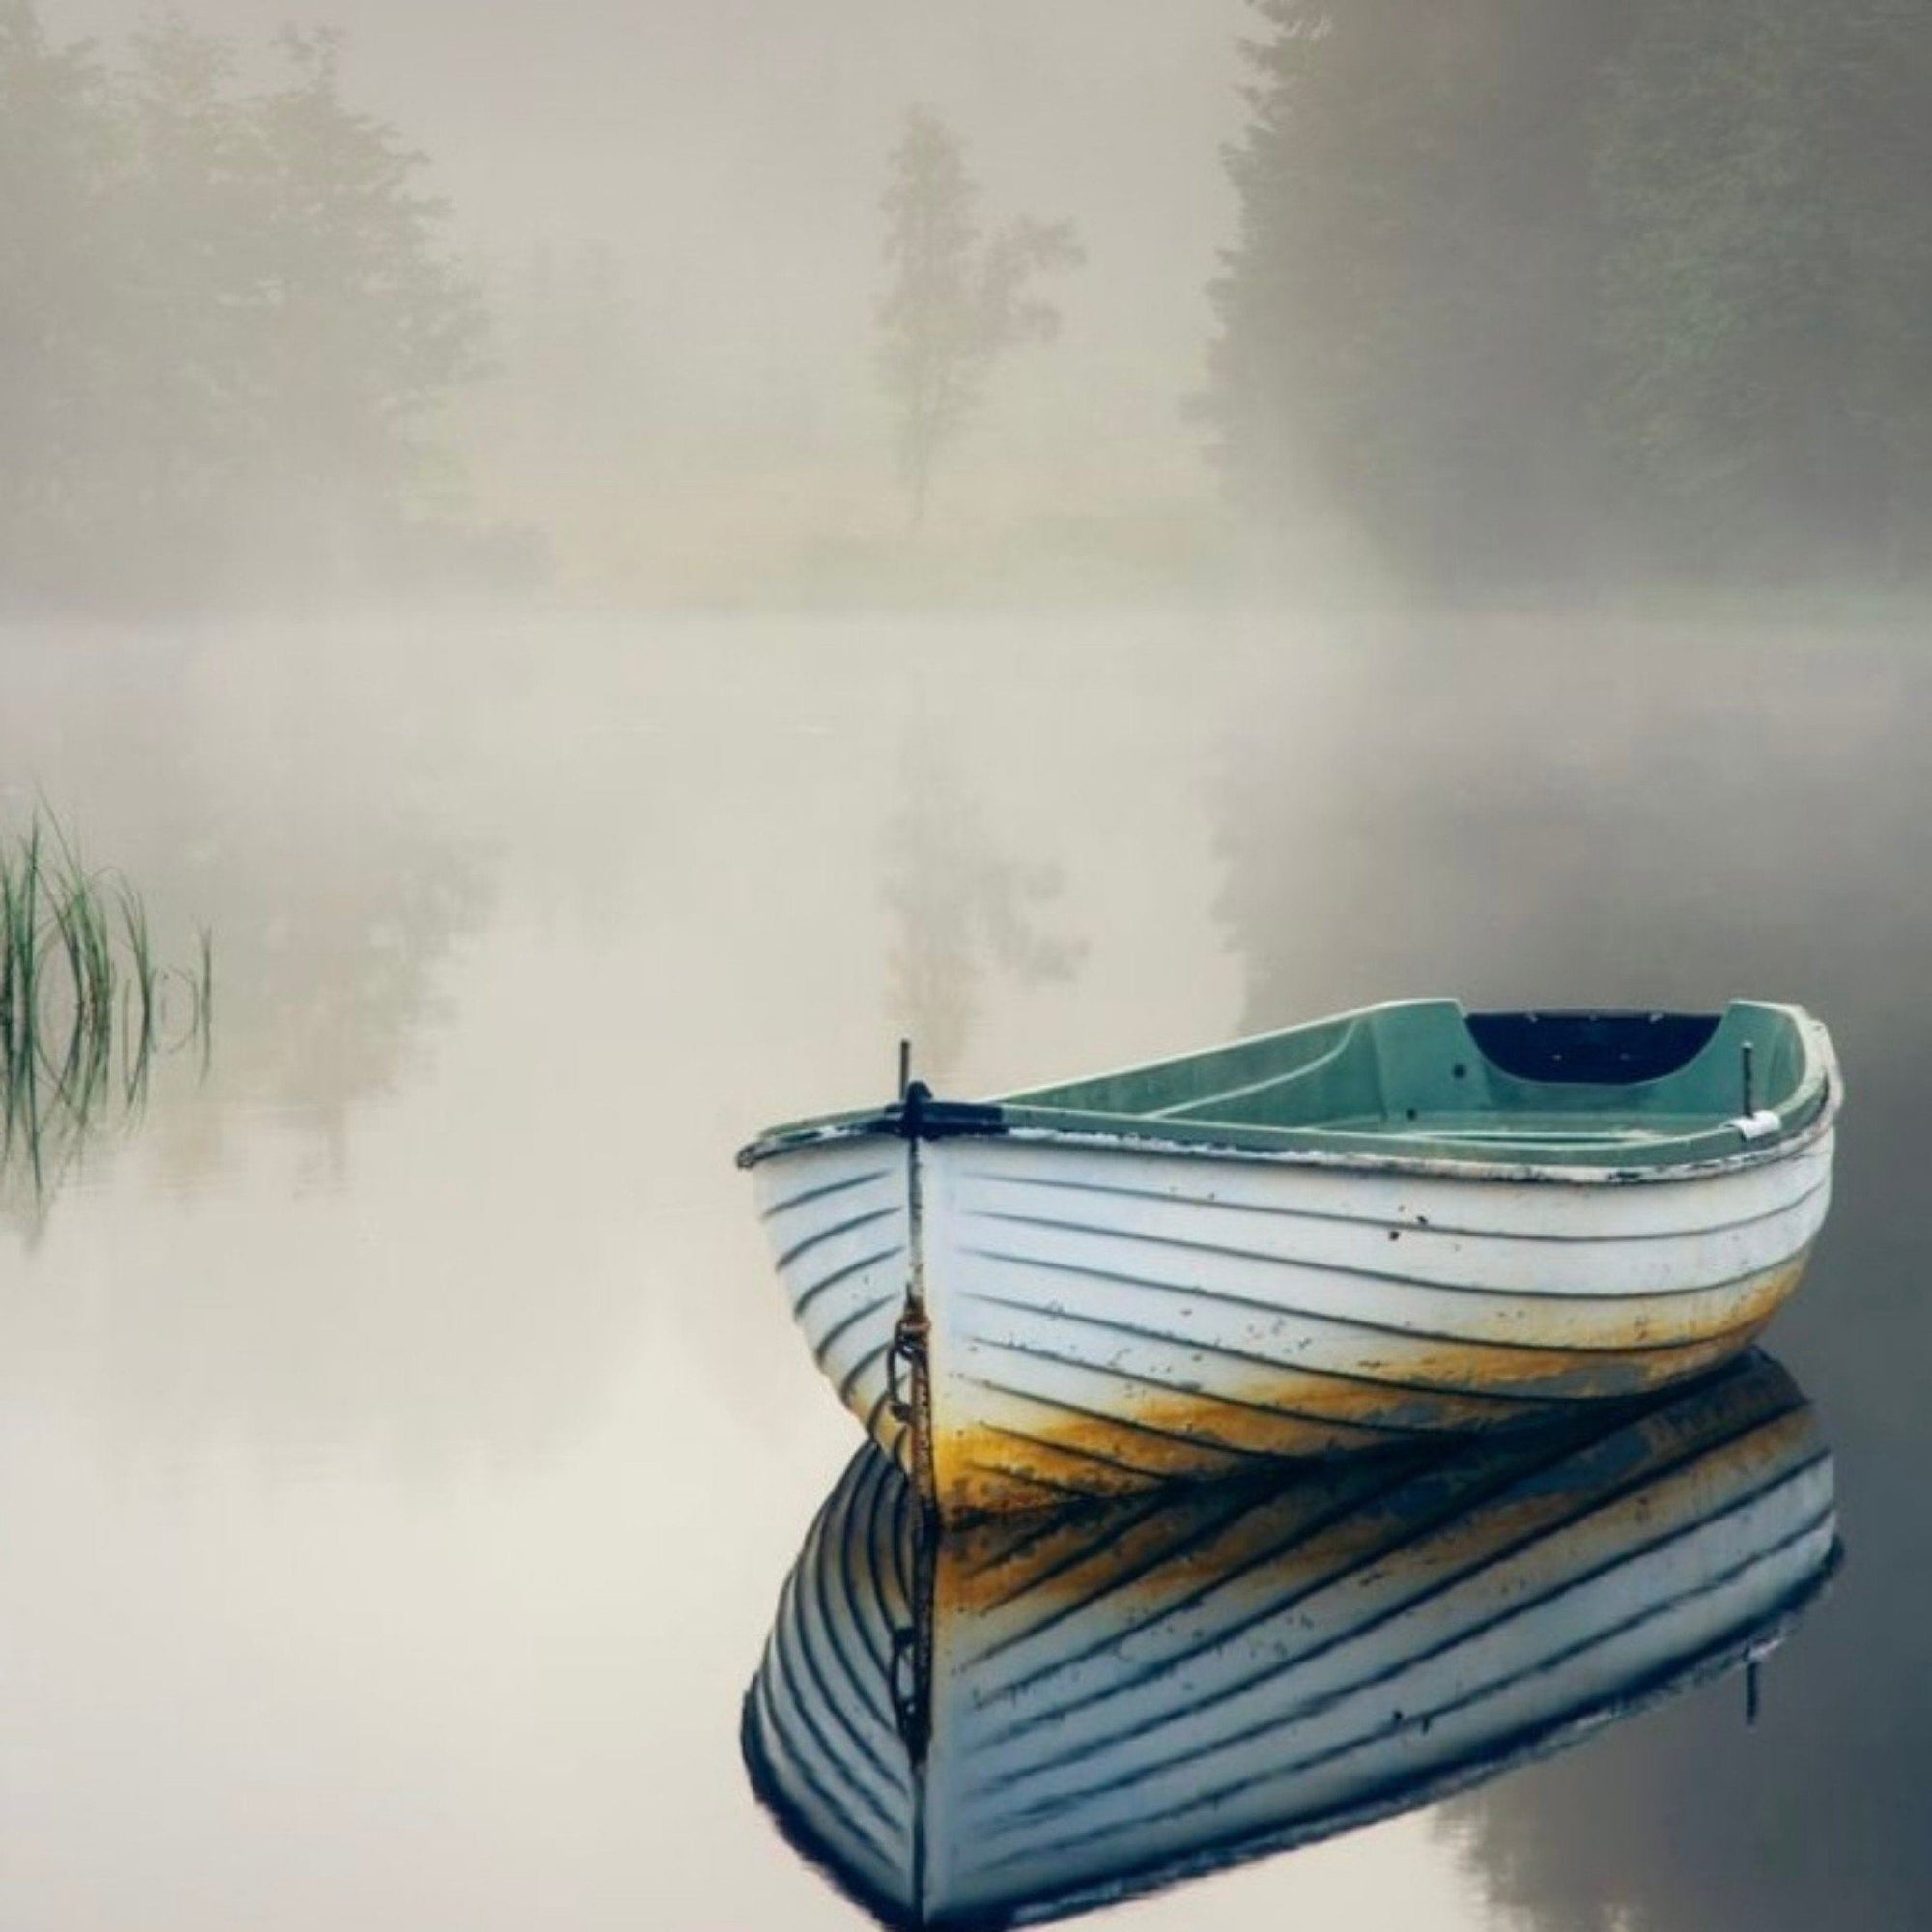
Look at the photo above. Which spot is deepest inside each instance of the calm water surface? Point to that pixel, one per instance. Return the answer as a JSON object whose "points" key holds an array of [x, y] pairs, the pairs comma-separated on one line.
{"points": [[401, 1443]]}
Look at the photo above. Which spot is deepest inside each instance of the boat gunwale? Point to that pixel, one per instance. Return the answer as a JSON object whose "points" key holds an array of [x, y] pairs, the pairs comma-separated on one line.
{"points": [[1806, 1115], [997, 1121]]}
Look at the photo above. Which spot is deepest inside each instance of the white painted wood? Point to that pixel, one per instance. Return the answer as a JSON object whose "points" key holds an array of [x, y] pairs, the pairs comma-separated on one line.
{"points": [[836, 1217], [1192, 1302], [1104, 1317], [997, 1173]]}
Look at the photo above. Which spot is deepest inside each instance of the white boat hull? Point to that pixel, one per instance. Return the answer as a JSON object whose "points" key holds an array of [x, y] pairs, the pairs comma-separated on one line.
{"points": [[1101, 1318], [839, 1222]]}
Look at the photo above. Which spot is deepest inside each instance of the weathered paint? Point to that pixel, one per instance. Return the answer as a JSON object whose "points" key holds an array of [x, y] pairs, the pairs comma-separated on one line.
{"points": [[1248, 1540], [1109, 1698], [837, 1221], [1022, 1453], [1105, 1322], [1084, 1315]]}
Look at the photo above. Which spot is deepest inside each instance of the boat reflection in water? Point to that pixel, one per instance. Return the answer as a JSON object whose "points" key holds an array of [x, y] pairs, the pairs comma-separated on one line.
{"points": [[1033, 1715]]}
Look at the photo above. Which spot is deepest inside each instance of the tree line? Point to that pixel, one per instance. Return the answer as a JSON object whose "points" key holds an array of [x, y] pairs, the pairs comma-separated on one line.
{"points": [[1531, 287], [1522, 289], [227, 316]]}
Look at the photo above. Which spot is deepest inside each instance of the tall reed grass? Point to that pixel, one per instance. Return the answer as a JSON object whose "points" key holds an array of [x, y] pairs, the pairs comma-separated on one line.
{"points": [[86, 1005]]}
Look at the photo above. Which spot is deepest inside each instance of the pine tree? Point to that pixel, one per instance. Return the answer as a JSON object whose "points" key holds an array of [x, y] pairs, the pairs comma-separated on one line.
{"points": [[188, 259], [58, 171], [1525, 283], [368, 322], [224, 315], [1767, 274], [1404, 316]]}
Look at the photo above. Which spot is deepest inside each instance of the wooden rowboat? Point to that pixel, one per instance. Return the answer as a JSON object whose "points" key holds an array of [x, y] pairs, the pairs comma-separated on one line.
{"points": [[1399, 1222], [1024, 1717]]}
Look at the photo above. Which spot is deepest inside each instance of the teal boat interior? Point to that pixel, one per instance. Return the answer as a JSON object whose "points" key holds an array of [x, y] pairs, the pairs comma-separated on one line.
{"points": [[1564, 1085], [1423, 1079]]}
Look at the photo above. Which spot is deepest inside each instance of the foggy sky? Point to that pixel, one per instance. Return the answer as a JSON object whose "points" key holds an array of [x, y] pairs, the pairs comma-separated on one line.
{"points": [[734, 151]]}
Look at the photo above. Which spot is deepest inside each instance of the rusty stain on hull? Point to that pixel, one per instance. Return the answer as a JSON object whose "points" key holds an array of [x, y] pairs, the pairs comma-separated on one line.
{"points": [[1333, 1519], [1110, 1696], [998, 1448]]}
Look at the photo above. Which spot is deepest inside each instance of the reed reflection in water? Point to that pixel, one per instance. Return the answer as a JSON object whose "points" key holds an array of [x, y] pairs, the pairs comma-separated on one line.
{"points": [[87, 1008], [1038, 1715]]}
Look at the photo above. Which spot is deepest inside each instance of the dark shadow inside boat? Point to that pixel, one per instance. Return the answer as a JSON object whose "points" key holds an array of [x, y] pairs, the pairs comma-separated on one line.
{"points": [[1036, 1715], [1597, 1049]]}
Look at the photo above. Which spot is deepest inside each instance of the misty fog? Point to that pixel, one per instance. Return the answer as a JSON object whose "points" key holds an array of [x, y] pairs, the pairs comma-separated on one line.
{"points": [[620, 561]]}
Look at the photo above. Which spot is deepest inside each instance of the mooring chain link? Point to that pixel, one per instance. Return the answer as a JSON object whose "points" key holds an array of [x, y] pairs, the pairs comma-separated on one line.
{"points": [[908, 1353]]}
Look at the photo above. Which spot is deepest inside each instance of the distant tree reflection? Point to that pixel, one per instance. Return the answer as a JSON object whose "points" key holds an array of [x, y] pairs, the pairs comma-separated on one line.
{"points": [[961, 907]]}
